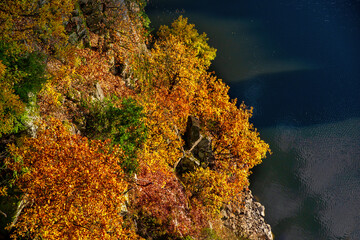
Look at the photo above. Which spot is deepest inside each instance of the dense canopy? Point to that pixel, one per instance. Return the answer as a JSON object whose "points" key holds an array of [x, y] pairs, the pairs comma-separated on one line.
{"points": [[107, 118]]}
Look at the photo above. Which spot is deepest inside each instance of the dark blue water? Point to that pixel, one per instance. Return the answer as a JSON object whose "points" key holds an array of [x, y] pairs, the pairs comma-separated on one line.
{"points": [[297, 62]]}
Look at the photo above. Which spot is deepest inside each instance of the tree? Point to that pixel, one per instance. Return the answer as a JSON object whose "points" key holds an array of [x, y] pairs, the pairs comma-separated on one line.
{"points": [[235, 143], [180, 56], [11, 107], [122, 124], [35, 24], [187, 34], [74, 188], [11, 111], [175, 84]]}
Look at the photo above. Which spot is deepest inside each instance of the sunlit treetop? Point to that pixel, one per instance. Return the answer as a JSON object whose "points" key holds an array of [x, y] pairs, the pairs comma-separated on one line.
{"points": [[186, 33]]}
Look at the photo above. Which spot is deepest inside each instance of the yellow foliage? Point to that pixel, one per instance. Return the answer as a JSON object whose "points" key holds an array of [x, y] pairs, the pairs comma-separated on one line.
{"points": [[2, 69], [11, 109], [3, 191], [35, 23], [175, 84], [208, 186], [188, 35], [52, 95]]}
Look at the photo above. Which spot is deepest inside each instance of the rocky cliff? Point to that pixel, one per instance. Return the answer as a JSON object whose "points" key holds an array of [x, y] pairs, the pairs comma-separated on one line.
{"points": [[247, 220]]}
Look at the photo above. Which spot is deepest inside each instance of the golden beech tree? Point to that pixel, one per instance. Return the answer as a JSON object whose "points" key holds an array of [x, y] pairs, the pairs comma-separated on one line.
{"points": [[74, 188], [174, 84], [179, 57], [235, 144], [188, 35], [234, 139], [168, 80]]}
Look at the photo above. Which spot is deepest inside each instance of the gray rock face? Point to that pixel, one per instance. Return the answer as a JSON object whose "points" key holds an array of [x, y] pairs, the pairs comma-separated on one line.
{"points": [[197, 146], [77, 26], [192, 133], [247, 220], [99, 93], [196, 143], [187, 164]]}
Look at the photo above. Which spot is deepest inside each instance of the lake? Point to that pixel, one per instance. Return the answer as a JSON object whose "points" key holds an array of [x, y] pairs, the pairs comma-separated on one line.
{"points": [[297, 62]]}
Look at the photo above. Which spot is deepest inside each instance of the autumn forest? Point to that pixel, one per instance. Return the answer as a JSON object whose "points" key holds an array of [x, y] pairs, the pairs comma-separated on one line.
{"points": [[110, 130]]}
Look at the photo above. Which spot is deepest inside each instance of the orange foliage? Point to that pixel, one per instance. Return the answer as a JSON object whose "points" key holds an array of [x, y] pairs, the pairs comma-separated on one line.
{"points": [[174, 84], [234, 139], [75, 188]]}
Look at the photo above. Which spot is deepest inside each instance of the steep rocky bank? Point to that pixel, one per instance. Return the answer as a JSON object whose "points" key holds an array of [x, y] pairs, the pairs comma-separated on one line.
{"points": [[247, 220]]}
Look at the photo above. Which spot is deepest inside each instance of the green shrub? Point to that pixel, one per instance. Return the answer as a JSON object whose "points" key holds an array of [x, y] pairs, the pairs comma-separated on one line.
{"points": [[34, 68], [21, 73], [25, 71], [123, 125]]}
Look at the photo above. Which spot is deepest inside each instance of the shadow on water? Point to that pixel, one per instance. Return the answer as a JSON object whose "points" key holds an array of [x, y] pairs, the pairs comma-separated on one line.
{"points": [[300, 98]]}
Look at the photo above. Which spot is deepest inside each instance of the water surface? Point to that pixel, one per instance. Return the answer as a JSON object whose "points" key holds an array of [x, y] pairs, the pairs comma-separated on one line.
{"points": [[297, 62]]}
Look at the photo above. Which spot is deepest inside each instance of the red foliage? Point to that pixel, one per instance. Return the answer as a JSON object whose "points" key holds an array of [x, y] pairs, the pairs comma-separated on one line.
{"points": [[161, 196]]}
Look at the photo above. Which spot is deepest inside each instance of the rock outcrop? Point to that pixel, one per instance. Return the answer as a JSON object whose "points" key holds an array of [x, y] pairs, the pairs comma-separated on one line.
{"points": [[197, 149], [247, 220], [197, 143]]}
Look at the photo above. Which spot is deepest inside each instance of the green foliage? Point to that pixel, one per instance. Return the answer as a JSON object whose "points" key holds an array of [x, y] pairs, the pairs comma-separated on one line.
{"points": [[34, 67], [145, 20], [220, 234], [25, 71], [210, 234], [123, 125], [188, 238], [21, 73]]}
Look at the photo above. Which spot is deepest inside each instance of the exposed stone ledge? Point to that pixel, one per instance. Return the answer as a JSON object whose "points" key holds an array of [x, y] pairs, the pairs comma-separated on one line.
{"points": [[247, 220]]}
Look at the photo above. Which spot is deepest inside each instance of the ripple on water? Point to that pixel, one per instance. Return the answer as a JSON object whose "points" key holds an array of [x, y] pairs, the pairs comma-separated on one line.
{"points": [[326, 189]]}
